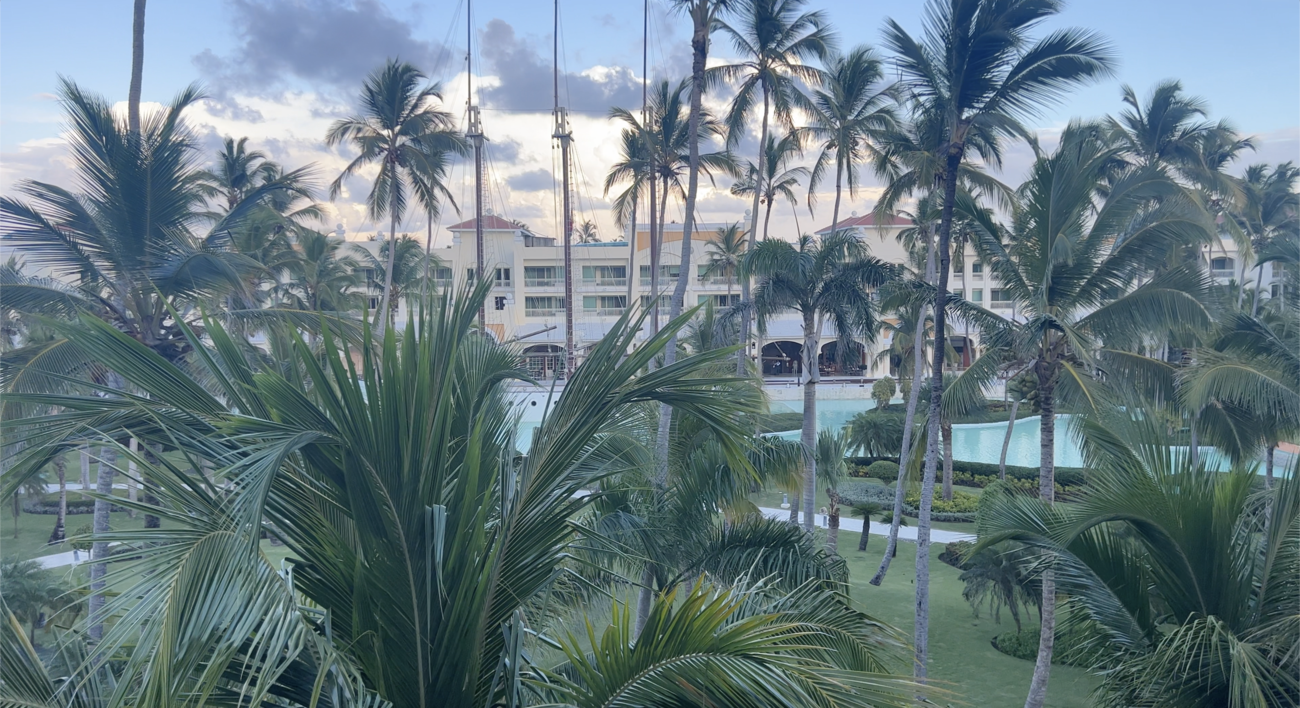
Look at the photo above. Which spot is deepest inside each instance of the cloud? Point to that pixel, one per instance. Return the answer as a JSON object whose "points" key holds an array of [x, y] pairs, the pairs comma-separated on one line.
{"points": [[525, 82], [330, 42], [531, 181]]}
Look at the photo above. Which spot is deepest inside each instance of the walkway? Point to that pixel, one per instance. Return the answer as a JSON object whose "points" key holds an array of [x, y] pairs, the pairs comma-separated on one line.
{"points": [[905, 533]]}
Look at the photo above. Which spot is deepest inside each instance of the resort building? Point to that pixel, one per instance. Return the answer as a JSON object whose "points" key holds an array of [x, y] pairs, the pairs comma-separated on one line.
{"points": [[526, 305]]}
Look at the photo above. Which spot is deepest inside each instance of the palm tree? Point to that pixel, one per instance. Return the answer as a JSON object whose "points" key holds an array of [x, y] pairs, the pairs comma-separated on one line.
{"points": [[832, 448], [409, 267], [974, 73], [410, 139], [137, 67], [724, 253], [864, 511], [587, 233], [323, 278], [406, 459], [1070, 261], [1167, 130], [1269, 211], [1188, 573], [849, 112], [1249, 375], [776, 40], [822, 280], [1018, 388], [28, 589], [59, 533], [632, 168], [778, 179], [238, 172]]}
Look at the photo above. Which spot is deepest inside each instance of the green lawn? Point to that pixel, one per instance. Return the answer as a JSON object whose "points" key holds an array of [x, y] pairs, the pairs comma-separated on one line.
{"points": [[962, 658]]}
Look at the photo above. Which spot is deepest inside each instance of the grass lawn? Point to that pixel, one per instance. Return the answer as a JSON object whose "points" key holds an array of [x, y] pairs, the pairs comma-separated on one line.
{"points": [[962, 659], [34, 529], [771, 498]]}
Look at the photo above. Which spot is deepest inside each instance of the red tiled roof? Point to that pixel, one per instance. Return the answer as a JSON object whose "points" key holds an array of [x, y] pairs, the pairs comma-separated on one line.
{"points": [[866, 220], [490, 222]]}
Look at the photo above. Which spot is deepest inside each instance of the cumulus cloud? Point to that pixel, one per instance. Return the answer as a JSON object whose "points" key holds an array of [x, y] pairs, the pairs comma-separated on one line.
{"points": [[524, 77], [324, 42]]}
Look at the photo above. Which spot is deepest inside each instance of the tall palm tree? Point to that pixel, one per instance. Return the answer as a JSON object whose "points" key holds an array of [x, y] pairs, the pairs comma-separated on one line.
{"points": [[587, 233], [1188, 573], [1070, 261], [631, 168], [778, 179], [776, 40], [1167, 130], [975, 73], [238, 171], [849, 112], [1269, 211], [137, 67], [822, 280], [402, 131], [723, 255], [423, 539]]}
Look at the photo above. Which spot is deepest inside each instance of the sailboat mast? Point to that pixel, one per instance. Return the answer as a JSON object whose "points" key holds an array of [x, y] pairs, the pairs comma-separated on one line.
{"points": [[563, 134], [475, 134]]}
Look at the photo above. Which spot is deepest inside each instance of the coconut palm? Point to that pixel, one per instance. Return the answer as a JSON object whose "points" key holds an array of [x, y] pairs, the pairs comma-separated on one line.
{"points": [[407, 460], [723, 255], [974, 73], [776, 41], [1018, 388], [631, 168], [1070, 261], [587, 233], [324, 277], [401, 131], [824, 279], [137, 67], [1165, 130], [778, 178], [1188, 573], [409, 268], [832, 448], [849, 112], [1269, 212]]}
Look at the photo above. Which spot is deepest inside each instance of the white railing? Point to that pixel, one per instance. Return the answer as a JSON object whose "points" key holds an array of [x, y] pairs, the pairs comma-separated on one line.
{"points": [[603, 311], [543, 312], [541, 282], [605, 282]]}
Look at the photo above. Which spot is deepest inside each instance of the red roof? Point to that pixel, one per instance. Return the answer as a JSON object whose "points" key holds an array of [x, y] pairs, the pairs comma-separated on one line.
{"points": [[867, 220], [490, 222]]}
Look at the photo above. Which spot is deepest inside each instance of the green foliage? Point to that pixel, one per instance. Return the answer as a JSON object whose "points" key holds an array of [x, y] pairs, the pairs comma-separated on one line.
{"points": [[79, 539], [1069, 480], [877, 433], [883, 390], [28, 590], [882, 469], [1076, 645], [961, 503], [859, 491]]}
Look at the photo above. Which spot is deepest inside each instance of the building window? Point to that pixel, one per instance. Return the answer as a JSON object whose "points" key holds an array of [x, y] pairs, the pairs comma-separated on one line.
{"points": [[1000, 297], [1222, 267], [666, 273], [442, 275], [469, 275], [374, 303], [664, 302], [542, 276], [499, 303], [720, 300], [977, 295], [503, 278], [604, 304], [604, 275], [546, 306], [977, 270]]}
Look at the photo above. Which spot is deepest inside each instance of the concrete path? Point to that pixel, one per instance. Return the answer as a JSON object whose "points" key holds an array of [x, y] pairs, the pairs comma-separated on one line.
{"points": [[905, 533]]}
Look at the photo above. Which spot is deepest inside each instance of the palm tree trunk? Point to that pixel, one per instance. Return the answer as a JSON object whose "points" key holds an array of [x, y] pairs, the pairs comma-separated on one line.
{"points": [[137, 68], [151, 521], [1268, 465], [428, 258], [99, 549], [132, 489], [753, 238], [833, 523], [767, 216], [631, 250], [1006, 441], [1193, 445], [85, 470], [866, 533], [945, 428], [921, 634], [382, 314], [808, 435], [699, 55], [1259, 285], [909, 422], [835, 211], [60, 522], [645, 598], [1046, 491]]}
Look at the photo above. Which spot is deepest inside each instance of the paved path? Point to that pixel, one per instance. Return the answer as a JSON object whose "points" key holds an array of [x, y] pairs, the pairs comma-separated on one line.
{"points": [[905, 533]]}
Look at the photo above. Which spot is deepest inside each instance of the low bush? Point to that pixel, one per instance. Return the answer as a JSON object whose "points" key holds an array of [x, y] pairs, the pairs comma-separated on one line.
{"points": [[979, 474], [955, 553], [886, 470], [961, 502], [857, 491], [1076, 644], [75, 506]]}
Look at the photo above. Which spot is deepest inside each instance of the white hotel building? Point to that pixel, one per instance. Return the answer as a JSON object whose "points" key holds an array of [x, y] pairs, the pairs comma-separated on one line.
{"points": [[526, 304]]}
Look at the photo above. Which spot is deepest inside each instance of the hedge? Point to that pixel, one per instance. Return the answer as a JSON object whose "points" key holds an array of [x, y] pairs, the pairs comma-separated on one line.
{"points": [[1074, 646], [75, 506], [979, 474], [856, 491]]}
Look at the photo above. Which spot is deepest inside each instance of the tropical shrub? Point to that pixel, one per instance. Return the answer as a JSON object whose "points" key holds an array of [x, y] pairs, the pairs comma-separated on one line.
{"points": [[961, 502], [882, 469], [860, 491], [883, 390], [1075, 645], [877, 433]]}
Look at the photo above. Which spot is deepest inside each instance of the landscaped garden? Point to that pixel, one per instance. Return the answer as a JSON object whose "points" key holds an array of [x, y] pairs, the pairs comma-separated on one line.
{"points": [[247, 464]]}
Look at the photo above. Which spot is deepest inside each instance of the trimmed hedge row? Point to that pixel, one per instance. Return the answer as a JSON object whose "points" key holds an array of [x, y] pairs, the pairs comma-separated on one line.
{"points": [[975, 474], [77, 506], [856, 491]]}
